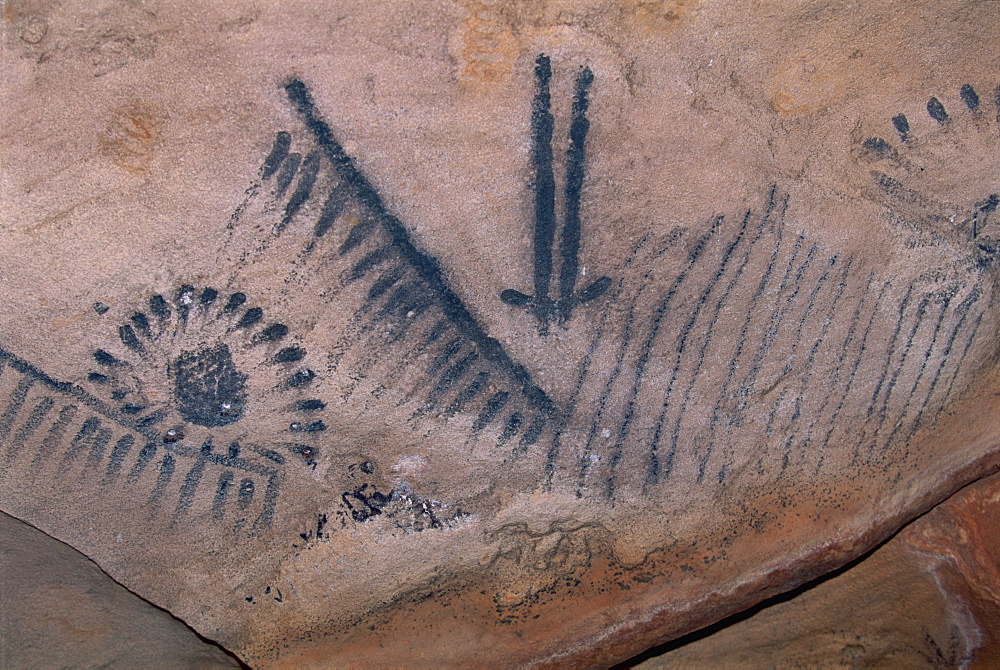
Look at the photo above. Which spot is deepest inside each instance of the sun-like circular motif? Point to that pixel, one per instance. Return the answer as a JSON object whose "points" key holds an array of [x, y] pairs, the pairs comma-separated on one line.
{"points": [[207, 368]]}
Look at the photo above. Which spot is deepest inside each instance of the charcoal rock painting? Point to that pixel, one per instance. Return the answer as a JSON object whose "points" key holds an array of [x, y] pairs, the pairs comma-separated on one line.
{"points": [[493, 333]]}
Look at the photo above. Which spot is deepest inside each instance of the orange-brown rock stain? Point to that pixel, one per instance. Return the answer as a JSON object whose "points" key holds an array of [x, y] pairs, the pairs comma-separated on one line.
{"points": [[132, 136]]}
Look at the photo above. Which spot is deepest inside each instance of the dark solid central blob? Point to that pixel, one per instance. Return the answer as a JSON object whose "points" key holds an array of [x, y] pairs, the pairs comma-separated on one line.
{"points": [[210, 391]]}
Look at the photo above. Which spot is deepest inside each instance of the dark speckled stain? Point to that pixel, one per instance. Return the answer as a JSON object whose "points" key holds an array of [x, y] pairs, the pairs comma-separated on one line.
{"points": [[210, 391]]}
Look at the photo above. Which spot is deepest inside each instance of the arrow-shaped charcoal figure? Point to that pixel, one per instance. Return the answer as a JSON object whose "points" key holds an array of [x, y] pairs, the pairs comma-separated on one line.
{"points": [[544, 307]]}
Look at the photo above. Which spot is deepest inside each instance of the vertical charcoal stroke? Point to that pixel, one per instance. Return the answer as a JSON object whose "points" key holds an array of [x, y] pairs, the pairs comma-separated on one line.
{"points": [[279, 151], [38, 414], [118, 455], [576, 160], [17, 398], [307, 179], [426, 266], [542, 124]]}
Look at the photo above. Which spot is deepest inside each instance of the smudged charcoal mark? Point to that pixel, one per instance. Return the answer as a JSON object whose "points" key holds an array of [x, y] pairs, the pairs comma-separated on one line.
{"points": [[56, 434], [532, 434], [902, 126], [880, 147], [307, 179], [290, 355], [158, 306], [365, 502], [98, 378], [149, 421], [129, 339], [208, 296], [208, 388], [106, 359], [250, 318], [234, 302], [332, 209], [468, 393], [97, 445], [969, 97], [514, 298], [996, 101], [244, 496], [542, 124], [118, 394], [279, 151], [81, 440], [936, 110], [892, 349], [167, 465], [962, 310], [383, 284], [452, 375], [192, 479], [287, 174], [118, 455], [272, 455], [221, 493], [685, 333], [425, 265], [594, 290], [958, 366], [146, 455], [983, 210], [370, 261], [301, 378], [449, 351], [17, 398], [510, 428], [575, 168], [399, 300], [358, 234], [141, 324], [263, 522], [492, 407], [273, 333], [101, 308]]}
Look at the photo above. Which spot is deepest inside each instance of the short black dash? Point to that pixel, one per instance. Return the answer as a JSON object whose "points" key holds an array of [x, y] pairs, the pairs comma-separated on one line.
{"points": [[384, 283], [119, 394], [101, 308], [311, 427], [106, 359], [880, 147], [14, 407], [162, 479], [273, 333], [98, 378], [55, 434], [38, 414], [132, 408], [234, 450], [969, 97], [97, 446], [279, 151], [307, 179], [332, 209], [208, 296], [310, 405], [468, 393], [936, 110], [146, 455], [492, 407], [511, 427], [221, 493], [129, 338], [272, 455], [902, 126], [141, 324], [152, 419], [290, 355], [358, 234], [996, 101], [533, 432], [301, 378], [159, 307], [234, 302], [287, 174], [371, 260], [244, 496], [251, 317], [594, 290], [118, 454]]}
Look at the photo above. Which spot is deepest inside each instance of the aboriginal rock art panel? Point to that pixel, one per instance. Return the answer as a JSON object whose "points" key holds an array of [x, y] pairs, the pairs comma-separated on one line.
{"points": [[732, 348]]}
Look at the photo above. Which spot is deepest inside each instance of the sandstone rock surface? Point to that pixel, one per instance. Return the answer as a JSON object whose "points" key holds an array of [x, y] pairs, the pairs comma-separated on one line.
{"points": [[491, 332]]}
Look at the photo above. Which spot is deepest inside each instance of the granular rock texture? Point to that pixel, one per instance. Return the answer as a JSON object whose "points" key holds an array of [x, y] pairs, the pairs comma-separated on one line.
{"points": [[491, 332]]}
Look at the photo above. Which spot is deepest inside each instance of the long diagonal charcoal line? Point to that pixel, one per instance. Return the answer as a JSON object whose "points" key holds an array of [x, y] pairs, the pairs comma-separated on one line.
{"points": [[542, 125], [585, 363], [963, 309], [682, 341], [945, 303], [426, 266], [570, 242], [958, 367]]}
